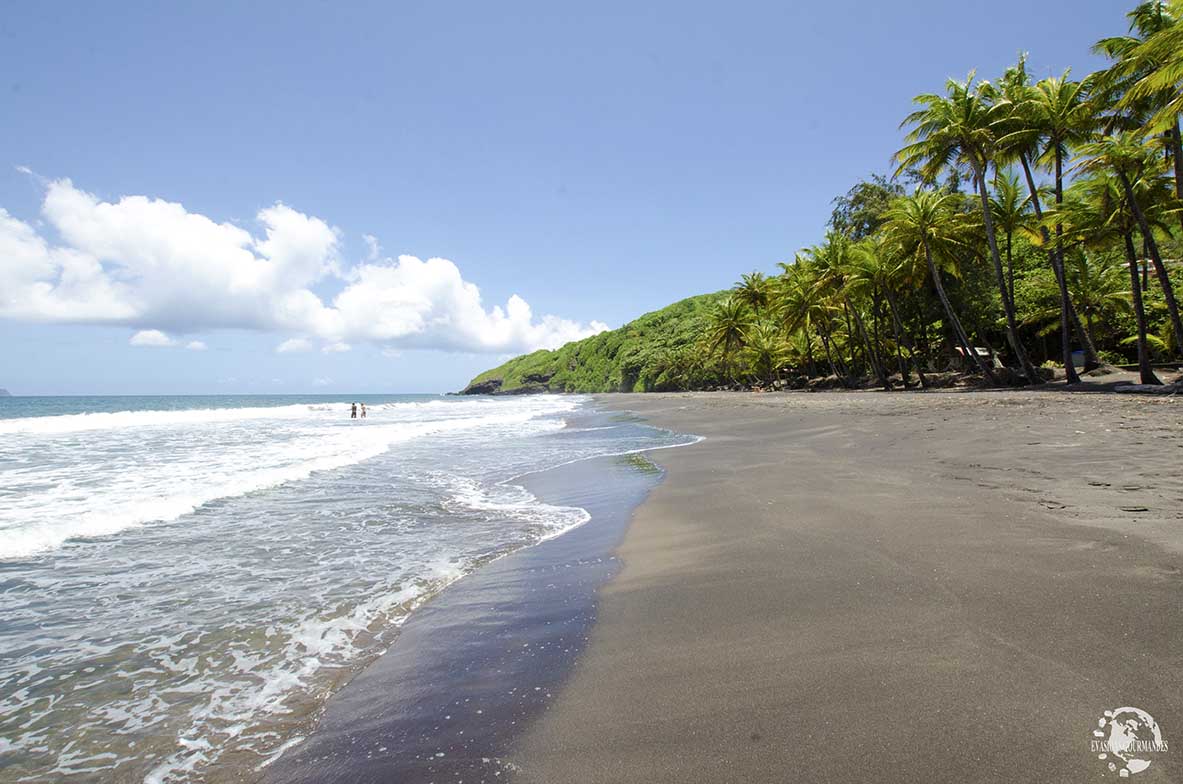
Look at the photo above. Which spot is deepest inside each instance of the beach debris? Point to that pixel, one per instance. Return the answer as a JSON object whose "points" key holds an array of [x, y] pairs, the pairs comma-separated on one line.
{"points": [[1148, 389]]}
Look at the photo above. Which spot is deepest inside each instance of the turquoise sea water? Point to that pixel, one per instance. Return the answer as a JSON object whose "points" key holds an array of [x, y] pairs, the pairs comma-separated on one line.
{"points": [[185, 580]]}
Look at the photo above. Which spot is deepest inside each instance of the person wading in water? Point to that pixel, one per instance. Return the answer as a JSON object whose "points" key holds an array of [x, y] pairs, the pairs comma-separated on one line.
{"points": [[353, 412]]}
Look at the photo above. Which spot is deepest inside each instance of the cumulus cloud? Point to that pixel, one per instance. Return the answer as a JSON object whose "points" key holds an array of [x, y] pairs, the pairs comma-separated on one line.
{"points": [[196, 345], [293, 345], [151, 337], [153, 265], [336, 348]]}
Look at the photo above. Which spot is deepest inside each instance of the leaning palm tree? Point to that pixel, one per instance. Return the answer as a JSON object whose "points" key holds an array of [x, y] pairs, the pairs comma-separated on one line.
{"points": [[878, 268], [959, 129], [1034, 121], [1127, 157], [1097, 210], [1143, 86], [803, 307], [753, 291], [766, 352], [1062, 115], [727, 330], [832, 261], [929, 225]]}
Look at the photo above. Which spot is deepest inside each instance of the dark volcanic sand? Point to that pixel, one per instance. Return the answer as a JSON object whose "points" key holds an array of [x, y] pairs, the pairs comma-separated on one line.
{"points": [[473, 665], [885, 588]]}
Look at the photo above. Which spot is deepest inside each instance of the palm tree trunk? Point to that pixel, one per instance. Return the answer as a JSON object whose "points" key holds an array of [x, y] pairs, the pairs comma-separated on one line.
{"points": [[1145, 267], [1164, 280], [955, 322], [1177, 154], [829, 356], [1068, 313], [880, 376], [854, 368], [1145, 371], [1010, 267], [1069, 368], [1008, 304], [811, 367], [900, 332]]}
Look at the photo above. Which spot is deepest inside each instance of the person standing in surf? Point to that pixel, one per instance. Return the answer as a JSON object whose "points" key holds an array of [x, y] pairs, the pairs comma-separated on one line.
{"points": [[363, 410], [353, 412]]}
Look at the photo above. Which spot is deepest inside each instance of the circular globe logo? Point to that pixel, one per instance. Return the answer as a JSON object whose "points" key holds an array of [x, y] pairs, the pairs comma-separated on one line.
{"points": [[1127, 740]]}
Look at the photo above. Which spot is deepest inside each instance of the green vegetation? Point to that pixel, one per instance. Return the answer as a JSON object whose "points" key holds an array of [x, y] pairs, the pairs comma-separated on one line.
{"points": [[1029, 218], [659, 351]]}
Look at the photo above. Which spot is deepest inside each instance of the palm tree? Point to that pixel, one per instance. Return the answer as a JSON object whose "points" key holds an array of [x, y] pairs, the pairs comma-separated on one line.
{"points": [[766, 352], [878, 267], [832, 260], [727, 330], [1033, 122], [1098, 210], [959, 128], [1010, 204], [1098, 285], [1126, 156], [752, 291], [1144, 84], [803, 307], [928, 224]]}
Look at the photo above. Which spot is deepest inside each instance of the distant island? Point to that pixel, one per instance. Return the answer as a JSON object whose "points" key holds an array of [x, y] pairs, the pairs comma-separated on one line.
{"points": [[5, 392]]}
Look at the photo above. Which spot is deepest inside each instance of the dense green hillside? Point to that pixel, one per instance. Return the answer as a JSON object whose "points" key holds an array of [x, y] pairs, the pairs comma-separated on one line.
{"points": [[658, 351]]}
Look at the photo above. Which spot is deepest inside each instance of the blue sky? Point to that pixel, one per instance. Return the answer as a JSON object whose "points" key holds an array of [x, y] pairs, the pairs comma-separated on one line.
{"points": [[597, 159]]}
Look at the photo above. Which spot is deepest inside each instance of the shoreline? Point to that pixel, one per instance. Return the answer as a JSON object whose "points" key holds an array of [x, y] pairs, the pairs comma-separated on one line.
{"points": [[868, 587], [475, 663]]}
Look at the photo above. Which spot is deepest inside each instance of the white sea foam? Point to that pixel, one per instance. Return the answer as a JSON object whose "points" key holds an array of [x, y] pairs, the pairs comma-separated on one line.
{"points": [[99, 484], [294, 544], [513, 502]]}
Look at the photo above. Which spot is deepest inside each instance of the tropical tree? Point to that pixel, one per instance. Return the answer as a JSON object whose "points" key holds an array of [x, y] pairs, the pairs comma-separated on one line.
{"points": [[803, 307], [833, 262], [1126, 155], [929, 225], [877, 267], [1010, 205], [727, 330], [959, 128], [1145, 84], [753, 291], [766, 352], [1034, 122]]}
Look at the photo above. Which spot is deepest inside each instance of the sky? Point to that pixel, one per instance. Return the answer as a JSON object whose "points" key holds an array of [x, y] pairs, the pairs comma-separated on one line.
{"points": [[298, 197]]}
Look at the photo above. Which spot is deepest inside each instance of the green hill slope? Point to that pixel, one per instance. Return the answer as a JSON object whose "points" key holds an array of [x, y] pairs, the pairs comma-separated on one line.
{"points": [[652, 353]]}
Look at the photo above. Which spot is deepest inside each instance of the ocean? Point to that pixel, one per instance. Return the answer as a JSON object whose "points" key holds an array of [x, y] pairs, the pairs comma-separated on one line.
{"points": [[184, 581]]}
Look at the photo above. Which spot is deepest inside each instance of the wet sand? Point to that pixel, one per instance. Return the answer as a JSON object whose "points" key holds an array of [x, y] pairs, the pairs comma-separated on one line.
{"points": [[478, 661], [884, 588]]}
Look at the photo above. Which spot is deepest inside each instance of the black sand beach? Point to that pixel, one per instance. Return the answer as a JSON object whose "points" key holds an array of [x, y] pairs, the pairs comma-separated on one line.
{"points": [[831, 588], [874, 588]]}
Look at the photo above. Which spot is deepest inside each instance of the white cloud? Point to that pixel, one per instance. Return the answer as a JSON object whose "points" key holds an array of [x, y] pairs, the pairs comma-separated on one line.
{"points": [[336, 348], [196, 345], [293, 345], [151, 337], [154, 266], [322, 382]]}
